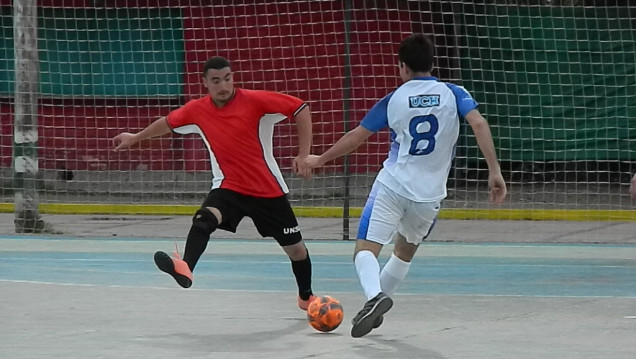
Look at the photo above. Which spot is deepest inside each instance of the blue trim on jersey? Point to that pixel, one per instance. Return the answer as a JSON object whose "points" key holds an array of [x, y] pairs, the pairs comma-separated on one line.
{"points": [[426, 78], [365, 217], [394, 150], [377, 119], [465, 102]]}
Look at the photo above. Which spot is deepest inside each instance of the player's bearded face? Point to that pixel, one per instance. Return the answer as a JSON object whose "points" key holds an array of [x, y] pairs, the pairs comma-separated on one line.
{"points": [[220, 84]]}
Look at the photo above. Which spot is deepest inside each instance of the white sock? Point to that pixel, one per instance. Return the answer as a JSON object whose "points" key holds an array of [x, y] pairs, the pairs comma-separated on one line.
{"points": [[393, 273], [368, 270]]}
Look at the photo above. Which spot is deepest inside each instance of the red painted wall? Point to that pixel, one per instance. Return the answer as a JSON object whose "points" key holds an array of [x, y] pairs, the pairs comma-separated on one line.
{"points": [[76, 135], [296, 48]]}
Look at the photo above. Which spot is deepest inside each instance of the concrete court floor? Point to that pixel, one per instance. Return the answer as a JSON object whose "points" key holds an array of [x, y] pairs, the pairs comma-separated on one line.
{"points": [[510, 290]]}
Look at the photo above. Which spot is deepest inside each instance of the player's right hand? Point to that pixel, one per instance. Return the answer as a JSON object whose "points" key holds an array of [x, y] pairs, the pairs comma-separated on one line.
{"points": [[123, 141], [300, 168]]}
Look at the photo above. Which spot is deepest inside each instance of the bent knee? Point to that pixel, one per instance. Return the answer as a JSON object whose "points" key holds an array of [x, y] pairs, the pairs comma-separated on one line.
{"points": [[296, 252], [367, 245], [205, 221]]}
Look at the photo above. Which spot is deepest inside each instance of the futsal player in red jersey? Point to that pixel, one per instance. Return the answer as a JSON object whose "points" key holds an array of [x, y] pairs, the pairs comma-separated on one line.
{"points": [[237, 126]]}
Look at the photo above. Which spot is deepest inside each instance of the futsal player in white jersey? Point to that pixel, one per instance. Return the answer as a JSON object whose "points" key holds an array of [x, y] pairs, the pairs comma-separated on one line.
{"points": [[423, 115]]}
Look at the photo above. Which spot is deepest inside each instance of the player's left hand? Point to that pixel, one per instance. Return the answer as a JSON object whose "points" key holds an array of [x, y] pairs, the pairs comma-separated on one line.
{"points": [[300, 167], [313, 161], [497, 187]]}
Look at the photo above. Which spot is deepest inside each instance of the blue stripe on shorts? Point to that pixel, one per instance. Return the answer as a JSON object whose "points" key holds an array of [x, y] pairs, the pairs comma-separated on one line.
{"points": [[363, 228]]}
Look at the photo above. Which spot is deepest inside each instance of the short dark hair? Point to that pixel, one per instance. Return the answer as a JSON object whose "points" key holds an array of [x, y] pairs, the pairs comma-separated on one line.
{"points": [[417, 52], [216, 63]]}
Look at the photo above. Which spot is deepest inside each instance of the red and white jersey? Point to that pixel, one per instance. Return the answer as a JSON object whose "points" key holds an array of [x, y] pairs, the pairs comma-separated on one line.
{"points": [[238, 137]]}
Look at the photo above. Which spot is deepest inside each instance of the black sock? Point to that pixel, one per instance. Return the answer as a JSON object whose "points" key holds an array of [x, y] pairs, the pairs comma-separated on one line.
{"points": [[302, 272], [203, 224]]}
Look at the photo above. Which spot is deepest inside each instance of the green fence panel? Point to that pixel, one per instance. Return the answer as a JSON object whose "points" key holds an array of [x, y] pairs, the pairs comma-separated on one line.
{"points": [[556, 83], [123, 52], [7, 57]]}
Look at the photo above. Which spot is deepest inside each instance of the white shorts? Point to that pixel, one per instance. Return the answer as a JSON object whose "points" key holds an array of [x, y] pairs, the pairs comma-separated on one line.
{"points": [[386, 213]]}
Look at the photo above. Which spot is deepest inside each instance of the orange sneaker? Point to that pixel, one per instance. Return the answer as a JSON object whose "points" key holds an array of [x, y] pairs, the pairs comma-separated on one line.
{"points": [[176, 267], [304, 304]]}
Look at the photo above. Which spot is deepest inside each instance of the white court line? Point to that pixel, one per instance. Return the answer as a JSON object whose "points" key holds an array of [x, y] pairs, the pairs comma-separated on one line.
{"points": [[341, 292], [48, 260], [422, 263]]}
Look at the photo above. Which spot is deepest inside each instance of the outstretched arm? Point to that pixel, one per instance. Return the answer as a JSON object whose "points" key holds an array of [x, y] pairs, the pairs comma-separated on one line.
{"points": [[481, 129], [126, 139], [303, 124], [347, 143]]}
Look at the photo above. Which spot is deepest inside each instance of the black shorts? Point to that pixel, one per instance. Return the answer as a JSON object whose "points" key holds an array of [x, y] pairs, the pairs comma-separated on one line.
{"points": [[273, 217]]}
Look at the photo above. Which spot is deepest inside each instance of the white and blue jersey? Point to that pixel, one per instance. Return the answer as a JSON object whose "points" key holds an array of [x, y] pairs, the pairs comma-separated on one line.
{"points": [[423, 115]]}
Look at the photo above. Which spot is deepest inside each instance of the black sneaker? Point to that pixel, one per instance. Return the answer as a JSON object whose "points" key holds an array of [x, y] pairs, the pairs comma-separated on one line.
{"points": [[370, 315], [378, 321]]}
